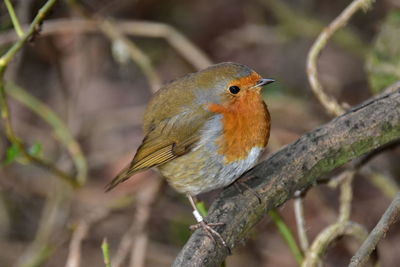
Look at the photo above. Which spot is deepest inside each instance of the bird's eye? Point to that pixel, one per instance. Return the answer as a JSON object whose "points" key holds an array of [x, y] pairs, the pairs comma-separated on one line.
{"points": [[234, 89]]}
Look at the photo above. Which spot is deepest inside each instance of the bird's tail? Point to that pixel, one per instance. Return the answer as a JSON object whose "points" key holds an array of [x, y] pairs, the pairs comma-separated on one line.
{"points": [[122, 176]]}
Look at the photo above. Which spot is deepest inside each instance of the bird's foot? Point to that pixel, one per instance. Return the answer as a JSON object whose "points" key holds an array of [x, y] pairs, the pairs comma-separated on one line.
{"points": [[207, 227]]}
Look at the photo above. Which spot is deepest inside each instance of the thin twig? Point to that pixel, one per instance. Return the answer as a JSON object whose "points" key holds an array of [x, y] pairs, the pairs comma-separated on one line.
{"points": [[385, 184], [135, 239], [183, 46], [346, 196], [41, 15], [23, 11], [391, 215], [122, 47], [296, 22], [142, 216], [52, 222], [14, 18], [324, 239], [330, 104], [5, 111], [61, 131], [84, 225], [300, 221], [110, 29], [74, 255], [330, 234]]}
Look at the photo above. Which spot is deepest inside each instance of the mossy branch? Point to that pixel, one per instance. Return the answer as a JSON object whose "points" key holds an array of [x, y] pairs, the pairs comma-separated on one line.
{"points": [[297, 166]]}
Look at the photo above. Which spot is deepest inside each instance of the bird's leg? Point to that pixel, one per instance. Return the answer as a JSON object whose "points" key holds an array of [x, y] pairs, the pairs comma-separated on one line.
{"points": [[204, 225]]}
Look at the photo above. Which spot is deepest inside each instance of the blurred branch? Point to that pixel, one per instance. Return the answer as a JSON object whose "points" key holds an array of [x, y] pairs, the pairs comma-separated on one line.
{"points": [[297, 23], [295, 167], [23, 12], [21, 147], [346, 195], [5, 111], [74, 255], [51, 222], [61, 131], [330, 234], [122, 47], [14, 18], [387, 185], [342, 227], [142, 217], [300, 220], [135, 239], [110, 29], [391, 216], [327, 236], [31, 30], [84, 225], [345, 179], [330, 104], [177, 40]]}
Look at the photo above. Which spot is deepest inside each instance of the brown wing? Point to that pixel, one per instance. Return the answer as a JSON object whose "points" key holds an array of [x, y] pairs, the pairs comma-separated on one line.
{"points": [[166, 140]]}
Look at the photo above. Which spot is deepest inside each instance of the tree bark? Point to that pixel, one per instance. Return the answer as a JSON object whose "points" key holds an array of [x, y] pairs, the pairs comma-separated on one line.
{"points": [[297, 166]]}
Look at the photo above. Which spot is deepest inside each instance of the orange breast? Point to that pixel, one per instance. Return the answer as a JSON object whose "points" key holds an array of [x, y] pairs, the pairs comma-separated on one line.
{"points": [[246, 124]]}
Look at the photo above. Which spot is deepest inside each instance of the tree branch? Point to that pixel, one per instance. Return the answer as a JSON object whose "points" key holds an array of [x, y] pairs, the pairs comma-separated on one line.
{"points": [[183, 46], [391, 215], [295, 167], [330, 104]]}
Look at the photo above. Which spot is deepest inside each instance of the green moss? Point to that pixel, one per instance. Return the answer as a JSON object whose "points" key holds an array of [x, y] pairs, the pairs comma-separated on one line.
{"points": [[349, 152]]}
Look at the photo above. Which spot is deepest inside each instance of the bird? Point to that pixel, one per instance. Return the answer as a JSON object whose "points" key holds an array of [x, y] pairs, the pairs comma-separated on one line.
{"points": [[203, 131]]}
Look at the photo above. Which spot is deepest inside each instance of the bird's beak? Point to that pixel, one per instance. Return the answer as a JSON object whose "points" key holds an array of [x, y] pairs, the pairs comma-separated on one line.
{"points": [[263, 82]]}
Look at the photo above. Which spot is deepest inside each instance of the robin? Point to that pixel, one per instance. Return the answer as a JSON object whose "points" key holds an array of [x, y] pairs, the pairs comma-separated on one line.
{"points": [[203, 131]]}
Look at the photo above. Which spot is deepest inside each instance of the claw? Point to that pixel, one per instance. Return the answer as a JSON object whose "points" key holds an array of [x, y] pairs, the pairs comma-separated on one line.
{"points": [[207, 227], [239, 183], [198, 225]]}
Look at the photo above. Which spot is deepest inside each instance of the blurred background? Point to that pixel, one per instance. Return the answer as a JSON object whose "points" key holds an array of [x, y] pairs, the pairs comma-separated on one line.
{"points": [[77, 93]]}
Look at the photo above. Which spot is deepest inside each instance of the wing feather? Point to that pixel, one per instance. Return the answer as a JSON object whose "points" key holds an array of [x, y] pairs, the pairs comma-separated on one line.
{"points": [[161, 146], [156, 158]]}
